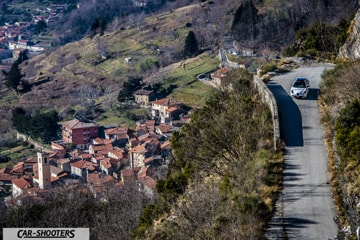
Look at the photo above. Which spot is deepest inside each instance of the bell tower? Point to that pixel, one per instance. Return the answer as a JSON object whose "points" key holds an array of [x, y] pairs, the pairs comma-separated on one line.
{"points": [[43, 170]]}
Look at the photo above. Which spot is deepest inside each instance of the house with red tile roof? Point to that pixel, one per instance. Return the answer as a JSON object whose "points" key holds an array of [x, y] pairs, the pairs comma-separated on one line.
{"points": [[147, 171], [133, 142], [96, 158], [127, 175], [101, 141], [98, 179], [28, 165], [148, 185], [150, 125], [142, 138], [6, 178], [85, 156], [81, 168], [164, 130], [101, 148], [119, 157], [5, 170], [166, 109], [120, 135], [98, 182], [79, 132], [166, 151], [218, 75], [59, 147], [21, 186], [64, 164], [137, 156], [18, 169], [106, 166], [154, 160]]}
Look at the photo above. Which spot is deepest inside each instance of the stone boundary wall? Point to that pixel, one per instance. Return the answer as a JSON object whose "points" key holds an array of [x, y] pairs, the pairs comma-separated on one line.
{"points": [[269, 99], [36, 144]]}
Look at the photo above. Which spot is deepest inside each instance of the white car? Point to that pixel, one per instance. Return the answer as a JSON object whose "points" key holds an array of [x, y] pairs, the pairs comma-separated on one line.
{"points": [[300, 88]]}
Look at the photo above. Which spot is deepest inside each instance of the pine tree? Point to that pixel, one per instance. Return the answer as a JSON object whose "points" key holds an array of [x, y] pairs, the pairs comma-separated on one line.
{"points": [[22, 57], [244, 25], [13, 78], [191, 45], [129, 87]]}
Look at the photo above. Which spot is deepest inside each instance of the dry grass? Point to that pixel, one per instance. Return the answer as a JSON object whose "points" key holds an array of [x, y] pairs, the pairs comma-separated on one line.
{"points": [[78, 65]]}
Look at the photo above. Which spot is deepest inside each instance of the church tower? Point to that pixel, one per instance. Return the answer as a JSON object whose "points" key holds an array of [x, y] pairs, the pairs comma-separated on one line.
{"points": [[44, 170]]}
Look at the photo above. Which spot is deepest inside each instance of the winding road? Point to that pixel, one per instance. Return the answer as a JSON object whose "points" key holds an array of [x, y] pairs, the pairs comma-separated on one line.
{"points": [[305, 209]]}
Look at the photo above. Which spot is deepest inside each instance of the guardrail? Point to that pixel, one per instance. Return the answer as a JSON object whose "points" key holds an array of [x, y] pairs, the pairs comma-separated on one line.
{"points": [[268, 98]]}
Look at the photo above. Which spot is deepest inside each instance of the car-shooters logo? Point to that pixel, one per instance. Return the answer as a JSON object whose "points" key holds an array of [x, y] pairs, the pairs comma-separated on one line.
{"points": [[46, 233], [53, 233]]}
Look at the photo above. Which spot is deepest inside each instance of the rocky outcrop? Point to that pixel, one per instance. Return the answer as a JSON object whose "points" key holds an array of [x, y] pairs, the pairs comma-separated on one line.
{"points": [[351, 49]]}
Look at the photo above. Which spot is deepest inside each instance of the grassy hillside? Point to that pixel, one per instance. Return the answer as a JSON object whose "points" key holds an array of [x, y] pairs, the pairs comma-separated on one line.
{"points": [[88, 74]]}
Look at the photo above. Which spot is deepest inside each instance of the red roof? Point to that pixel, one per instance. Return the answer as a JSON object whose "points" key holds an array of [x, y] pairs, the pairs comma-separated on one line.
{"points": [[23, 183], [146, 171], [165, 128], [119, 153], [7, 177], [165, 102], [106, 163], [148, 182], [116, 130], [166, 145], [79, 164], [18, 168], [127, 173], [221, 72], [5, 170], [75, 123]]}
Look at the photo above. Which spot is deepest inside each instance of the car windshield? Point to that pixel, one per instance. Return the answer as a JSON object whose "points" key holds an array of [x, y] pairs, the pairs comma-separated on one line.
{"points": [[299, 84]]}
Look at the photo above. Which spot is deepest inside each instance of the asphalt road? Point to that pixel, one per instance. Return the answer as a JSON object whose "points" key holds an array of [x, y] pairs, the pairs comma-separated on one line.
{"points": [[305, 209]]}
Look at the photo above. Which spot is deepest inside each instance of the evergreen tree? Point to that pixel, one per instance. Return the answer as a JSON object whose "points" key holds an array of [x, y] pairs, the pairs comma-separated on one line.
{"points": [[22, 57], [42, 126], [40, 26], [244, 22], [129, 87], [191, 45], [13, 78], [20, 120]]}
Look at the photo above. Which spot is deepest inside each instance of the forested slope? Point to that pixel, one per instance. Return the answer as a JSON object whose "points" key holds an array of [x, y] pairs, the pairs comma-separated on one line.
{"points": [[225, 174]]}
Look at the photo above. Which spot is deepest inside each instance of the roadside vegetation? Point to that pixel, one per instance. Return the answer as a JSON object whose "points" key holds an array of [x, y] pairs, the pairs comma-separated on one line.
{"points": [[320, 40], [117, 207], [341, 116], [225, 176]]}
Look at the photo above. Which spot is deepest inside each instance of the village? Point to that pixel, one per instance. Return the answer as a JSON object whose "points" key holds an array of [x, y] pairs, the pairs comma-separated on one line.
{"points": [[102, 155], [17, 37]]}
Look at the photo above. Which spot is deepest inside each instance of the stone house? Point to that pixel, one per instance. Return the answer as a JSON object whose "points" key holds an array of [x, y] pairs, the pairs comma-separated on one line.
{"points": [[143, 97], [81, 168], [219, 74], [166, 109]]}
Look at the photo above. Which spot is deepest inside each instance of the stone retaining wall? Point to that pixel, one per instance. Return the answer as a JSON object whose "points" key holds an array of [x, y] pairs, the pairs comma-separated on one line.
{"points": [[36, 144], [269, 99]]}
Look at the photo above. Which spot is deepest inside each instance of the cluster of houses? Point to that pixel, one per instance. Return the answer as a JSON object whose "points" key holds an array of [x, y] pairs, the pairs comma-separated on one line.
{"points": [[16, 37], [102, 155]]}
